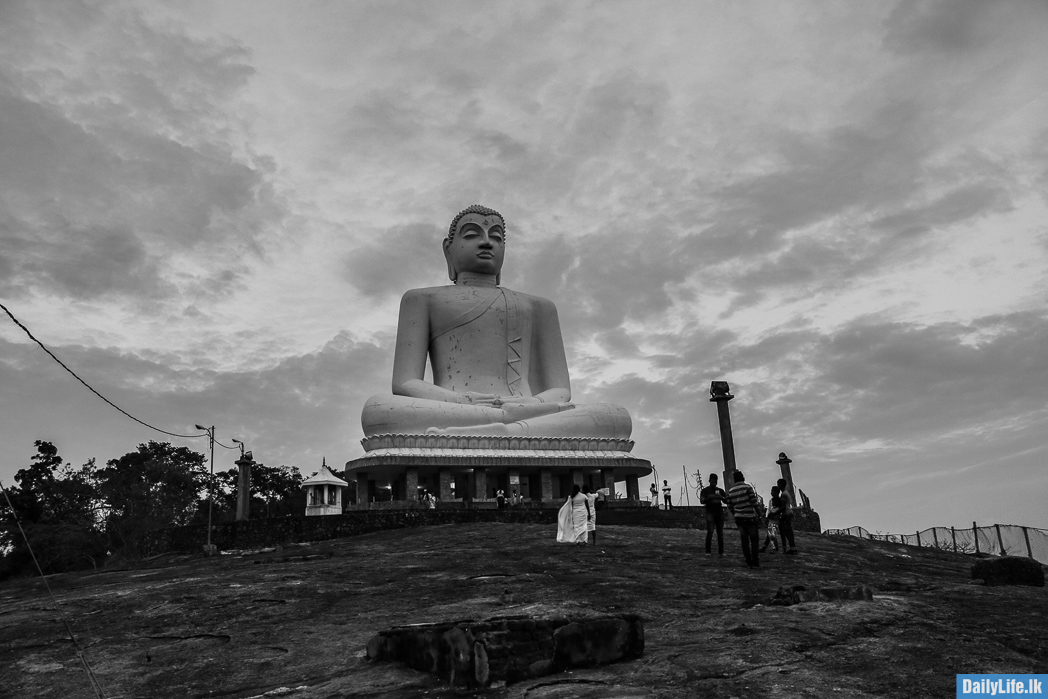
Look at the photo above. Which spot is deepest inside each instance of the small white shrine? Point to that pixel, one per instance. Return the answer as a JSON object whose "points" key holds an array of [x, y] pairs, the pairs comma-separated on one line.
{"points": [[324, 492]]}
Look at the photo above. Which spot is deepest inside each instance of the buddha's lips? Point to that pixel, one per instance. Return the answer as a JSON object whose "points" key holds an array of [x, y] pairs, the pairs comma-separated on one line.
{"points": [[485, 255]]}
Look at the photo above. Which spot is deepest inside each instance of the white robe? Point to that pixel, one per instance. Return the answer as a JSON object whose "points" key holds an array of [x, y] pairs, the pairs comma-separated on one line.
{"points": [[571, 521], [591, 525]]}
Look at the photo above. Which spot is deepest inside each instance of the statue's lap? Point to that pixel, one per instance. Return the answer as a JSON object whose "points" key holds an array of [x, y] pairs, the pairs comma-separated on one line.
{"points": [[393, 414]]}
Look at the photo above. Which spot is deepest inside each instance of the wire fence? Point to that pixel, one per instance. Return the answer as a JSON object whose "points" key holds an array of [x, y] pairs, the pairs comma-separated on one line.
{"points": [[996, 539]]}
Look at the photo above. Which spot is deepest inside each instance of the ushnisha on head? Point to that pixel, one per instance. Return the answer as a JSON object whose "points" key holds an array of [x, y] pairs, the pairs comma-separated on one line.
{"points": [[474, 209], [476, 243]]}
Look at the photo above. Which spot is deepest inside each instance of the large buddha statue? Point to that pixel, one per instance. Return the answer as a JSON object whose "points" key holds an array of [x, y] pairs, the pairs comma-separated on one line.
{"points": [[497, 355]]}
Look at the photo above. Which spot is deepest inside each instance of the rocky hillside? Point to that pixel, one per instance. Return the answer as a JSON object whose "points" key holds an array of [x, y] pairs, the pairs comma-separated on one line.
{"points": [[294, 622]]}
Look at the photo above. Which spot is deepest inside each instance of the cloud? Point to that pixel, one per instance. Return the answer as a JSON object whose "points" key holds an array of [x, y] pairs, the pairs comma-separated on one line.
{"points": [[115, 157], [295, 412], [389, 263], [950, 26]]}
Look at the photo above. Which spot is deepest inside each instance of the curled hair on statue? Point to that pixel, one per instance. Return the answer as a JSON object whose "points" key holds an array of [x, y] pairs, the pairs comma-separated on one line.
{"points": [[476, 209]]}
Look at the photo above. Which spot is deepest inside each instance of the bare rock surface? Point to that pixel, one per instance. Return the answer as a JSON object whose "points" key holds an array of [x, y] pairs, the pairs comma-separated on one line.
{"points": [[294, 621]]}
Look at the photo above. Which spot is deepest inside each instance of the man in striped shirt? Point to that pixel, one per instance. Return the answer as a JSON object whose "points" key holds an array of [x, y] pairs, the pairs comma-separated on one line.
{"points": [[742, 501]]}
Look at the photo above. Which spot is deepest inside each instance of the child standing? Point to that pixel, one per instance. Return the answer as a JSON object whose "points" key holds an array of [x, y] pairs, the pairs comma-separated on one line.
{"points": [[774, 510]]}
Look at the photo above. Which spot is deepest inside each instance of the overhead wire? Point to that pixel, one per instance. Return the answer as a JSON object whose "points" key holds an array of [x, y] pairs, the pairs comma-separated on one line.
{"points": [[111, 403]]}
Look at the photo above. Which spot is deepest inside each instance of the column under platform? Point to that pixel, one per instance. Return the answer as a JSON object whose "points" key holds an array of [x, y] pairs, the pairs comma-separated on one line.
{"points": [[483, 462]]}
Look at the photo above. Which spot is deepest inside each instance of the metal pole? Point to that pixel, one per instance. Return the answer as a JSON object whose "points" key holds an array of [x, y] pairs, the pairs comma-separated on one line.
{"points": [[686, 486], [210, 487], [953, 535], [1000, 540], [1029, 549], [975, 535]]}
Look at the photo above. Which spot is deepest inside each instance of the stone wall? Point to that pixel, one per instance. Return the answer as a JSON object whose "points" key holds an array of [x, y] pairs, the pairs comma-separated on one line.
{"points": [[277, 531]]}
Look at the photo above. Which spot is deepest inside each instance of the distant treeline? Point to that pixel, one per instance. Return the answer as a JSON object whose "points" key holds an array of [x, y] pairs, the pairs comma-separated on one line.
{"points": [[76, 518]]}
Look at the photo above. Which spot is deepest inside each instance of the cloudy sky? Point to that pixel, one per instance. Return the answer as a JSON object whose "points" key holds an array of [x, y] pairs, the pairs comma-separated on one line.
{"points": [[209, 210]]}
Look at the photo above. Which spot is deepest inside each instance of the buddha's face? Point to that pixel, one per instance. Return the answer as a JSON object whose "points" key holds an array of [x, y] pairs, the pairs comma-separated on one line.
{"points": [[478, 245]]}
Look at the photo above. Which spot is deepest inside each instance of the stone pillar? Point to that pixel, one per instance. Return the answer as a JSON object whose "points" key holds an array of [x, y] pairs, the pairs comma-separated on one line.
{"points": [[360, 491], [546, 478], [720, 393], [462, 486], [633, 488], [445, 485], [411, 484], [244, 486], [577, 477], [480, 484], [608, 479], [784, 468]]}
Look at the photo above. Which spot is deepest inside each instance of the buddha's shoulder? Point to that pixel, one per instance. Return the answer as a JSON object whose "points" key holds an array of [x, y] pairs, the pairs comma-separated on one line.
{"points": [[536, 301]]}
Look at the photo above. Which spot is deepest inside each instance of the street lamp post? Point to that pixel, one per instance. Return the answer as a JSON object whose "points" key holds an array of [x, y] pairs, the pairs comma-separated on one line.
{"points": [[211, 483]]}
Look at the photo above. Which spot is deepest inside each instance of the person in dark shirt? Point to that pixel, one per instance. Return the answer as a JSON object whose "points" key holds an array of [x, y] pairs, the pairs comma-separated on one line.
{"points": [[713, 498]]}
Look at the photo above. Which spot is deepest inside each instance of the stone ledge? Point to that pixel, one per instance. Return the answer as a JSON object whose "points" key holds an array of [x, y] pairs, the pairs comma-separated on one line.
{"points": [[509, 649], [450, 441]]}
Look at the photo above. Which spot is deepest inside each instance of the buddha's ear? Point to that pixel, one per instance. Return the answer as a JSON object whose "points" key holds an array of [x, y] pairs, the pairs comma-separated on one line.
{"points": [[447, 256]]}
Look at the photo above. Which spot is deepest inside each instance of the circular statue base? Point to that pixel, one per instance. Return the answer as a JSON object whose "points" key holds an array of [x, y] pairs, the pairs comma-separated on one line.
{"points": [[406, 467]]}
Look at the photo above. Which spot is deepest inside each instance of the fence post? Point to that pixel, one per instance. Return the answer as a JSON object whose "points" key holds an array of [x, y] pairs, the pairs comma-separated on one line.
{"points": [[953, 535], [1026, 535], [999, 539], [975, 535], [918, 539], [935, 538]]}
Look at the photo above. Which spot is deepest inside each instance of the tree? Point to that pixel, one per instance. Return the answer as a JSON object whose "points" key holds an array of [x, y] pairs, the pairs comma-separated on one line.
{"points": [[158, 485], [276, 491], [57, 508]]}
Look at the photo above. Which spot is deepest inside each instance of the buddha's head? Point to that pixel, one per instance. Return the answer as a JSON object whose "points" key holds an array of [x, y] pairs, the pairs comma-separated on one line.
{"points": [[476, 242]]}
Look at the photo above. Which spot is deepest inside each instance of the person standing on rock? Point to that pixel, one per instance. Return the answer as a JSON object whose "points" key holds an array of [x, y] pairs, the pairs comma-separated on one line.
{"points": [[654, 495], [573, 518], [786, 518], [742, 501], [774, 510], [591, 521], [666, 492], [713, 498]]}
